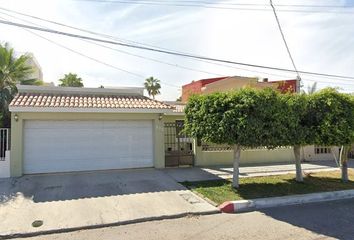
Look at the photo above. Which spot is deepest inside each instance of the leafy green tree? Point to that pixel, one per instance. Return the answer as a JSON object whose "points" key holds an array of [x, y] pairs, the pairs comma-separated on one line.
{"points": [[13, 70], [297, 132], [247, 118], [152, 86], [71, 80], [331, 115]]}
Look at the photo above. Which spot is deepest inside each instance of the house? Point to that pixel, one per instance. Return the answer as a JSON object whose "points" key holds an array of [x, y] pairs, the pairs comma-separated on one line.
{"points": [[64, 129], [37, 70], [223, 84]]}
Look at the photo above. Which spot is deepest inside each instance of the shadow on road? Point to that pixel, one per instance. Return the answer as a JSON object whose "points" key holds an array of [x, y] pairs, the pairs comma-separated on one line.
{"points": [[332, 219]]}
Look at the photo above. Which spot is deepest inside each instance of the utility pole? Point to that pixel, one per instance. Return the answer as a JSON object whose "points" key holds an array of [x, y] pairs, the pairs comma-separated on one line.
{"points": [[298, 78], [298, 84]]}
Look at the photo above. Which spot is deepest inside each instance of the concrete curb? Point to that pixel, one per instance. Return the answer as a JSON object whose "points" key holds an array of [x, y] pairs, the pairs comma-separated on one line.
{"points": [[252, 205], [139, 220]]}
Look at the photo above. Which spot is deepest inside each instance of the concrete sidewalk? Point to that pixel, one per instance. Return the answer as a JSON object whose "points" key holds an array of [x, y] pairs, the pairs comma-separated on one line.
{"points": [[86, 200], [222, 172]]}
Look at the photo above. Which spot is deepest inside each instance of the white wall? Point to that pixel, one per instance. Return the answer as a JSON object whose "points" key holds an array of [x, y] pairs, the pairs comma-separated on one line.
{"points": [[5, 166]]}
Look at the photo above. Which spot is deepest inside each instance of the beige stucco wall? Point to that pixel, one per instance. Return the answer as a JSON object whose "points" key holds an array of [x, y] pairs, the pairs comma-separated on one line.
{"points": [[228, 84], [308, 154], [172, 118], [16, 163], [248, 157], [235, 83]]}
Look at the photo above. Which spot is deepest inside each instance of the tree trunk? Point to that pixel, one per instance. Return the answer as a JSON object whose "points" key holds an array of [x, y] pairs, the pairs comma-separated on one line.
{"points": [[344, 163], [302, 154], [299, 177], [237, 154]]}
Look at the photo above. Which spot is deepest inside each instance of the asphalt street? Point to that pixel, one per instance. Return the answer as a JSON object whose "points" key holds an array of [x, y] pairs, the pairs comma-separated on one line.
{"points": [[327, 220]]}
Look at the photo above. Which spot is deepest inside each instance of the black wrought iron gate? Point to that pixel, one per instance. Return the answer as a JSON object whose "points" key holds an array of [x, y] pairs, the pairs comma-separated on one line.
{"points": [[178, 146]]}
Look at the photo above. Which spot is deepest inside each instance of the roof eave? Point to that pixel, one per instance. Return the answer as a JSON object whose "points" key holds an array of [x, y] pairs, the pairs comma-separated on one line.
{"points": [[133, 91], [15, 109]]}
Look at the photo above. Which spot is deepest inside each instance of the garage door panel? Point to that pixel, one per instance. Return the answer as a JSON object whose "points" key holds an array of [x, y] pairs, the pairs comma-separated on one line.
{"points": [[61, 146]]}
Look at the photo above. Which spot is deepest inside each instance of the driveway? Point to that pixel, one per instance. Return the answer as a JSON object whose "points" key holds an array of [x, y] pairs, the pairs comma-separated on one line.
{"points": [[81, 200]]}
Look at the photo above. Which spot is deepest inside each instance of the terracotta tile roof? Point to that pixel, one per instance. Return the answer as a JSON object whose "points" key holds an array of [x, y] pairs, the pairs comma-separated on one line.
{"points": [[42, 100]]}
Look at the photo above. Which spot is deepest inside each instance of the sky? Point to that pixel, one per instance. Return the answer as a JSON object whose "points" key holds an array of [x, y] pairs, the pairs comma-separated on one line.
{"points": [[319, 42]]}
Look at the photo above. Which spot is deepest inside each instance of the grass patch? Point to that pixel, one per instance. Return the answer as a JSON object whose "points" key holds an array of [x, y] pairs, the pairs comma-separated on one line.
{"points": [[220, 191]]}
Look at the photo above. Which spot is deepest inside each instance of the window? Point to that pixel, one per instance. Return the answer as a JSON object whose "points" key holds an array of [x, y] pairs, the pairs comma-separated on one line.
{"points": [[322, 150]]}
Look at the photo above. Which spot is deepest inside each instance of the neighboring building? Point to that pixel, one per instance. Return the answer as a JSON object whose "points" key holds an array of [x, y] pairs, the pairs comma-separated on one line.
{"points": [[195, 87], [37, 70], [223, 84]]}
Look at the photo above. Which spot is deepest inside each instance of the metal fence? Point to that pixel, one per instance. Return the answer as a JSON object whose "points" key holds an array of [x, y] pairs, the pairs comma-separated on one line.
{"points": [[178, 146], [212, 147], [4, 142]]}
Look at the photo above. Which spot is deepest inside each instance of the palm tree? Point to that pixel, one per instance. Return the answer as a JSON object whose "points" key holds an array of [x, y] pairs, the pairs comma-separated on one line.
{"points": [[311, 89], [152, 86], [71, 80], [12, 71]]}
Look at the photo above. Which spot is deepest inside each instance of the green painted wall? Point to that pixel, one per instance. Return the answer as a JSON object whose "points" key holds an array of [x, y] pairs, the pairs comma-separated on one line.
{"points": [[16, 164]]}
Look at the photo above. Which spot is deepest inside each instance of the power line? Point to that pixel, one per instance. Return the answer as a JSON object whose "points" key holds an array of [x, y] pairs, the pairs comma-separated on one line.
{"points": [[283, 37], [88, 57], [137, 75], [125, 40], [208, 62], [129, 41], [125, 52], [155, 60], [224, 3], [229, 6], [298, 82], [83, 55], [143, 44], [167, 52]]}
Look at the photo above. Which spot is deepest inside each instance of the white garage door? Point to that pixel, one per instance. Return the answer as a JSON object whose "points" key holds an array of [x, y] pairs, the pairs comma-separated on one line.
{"points": [[63, 146]]}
